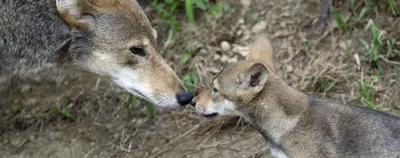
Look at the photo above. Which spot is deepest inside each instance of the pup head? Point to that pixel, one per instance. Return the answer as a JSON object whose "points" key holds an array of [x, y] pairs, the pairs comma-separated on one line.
{"points": [[239, 83]]}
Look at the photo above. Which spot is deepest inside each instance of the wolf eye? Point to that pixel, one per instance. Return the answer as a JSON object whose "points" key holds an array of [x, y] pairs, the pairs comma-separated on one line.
{"points": [[138, 51]]}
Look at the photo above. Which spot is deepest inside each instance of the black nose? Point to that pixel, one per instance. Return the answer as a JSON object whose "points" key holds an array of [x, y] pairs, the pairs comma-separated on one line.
{"points": [[184, 98]]}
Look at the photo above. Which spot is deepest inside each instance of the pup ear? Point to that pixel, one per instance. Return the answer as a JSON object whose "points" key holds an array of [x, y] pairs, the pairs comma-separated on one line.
{"points": [[262, 51], [255, 77]]}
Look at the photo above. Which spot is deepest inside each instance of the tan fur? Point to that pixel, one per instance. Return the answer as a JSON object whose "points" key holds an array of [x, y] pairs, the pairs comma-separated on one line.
{"points": [[293, 123], [71, 20]]}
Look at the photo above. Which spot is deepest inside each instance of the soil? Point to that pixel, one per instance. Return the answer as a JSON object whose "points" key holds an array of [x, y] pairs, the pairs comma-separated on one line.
{"points": [[106, 127]]}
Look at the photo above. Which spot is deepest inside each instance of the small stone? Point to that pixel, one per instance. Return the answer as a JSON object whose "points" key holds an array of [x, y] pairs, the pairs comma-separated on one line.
{"points": [[139, 122], [155, 150], [243, 51], [289, 68], [258, 27], [233, 60], [285, 15], [203, 51], [31, 138], [225, 46], [92, 143], [245, 3], [239, 32], [213, 70], [31, 102], [224, 58], [74, 140], [241, 21], [282, 24], [216, 57], [15, 142], [26, 88]]}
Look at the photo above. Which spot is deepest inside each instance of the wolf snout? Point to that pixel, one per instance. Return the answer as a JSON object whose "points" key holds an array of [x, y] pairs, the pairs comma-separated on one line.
{"points": [[184, 98]]}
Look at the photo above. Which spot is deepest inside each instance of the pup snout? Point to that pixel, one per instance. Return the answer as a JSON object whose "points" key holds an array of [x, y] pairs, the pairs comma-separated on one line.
{"points": [[184, 98], [193, 102]]}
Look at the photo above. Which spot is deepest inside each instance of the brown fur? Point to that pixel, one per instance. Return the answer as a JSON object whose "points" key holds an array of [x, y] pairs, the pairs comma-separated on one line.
{"points": [[293, 123], [110, 38]]}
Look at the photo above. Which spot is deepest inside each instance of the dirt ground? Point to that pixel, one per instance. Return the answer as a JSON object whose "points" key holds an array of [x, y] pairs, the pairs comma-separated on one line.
{"points": [[105, 127]]}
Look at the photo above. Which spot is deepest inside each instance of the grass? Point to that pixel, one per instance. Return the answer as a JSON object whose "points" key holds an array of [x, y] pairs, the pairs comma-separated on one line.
{"points": [[133, 102], [380, 48], [187, 56], [368, 91], [398, 78], [62, 112], [169, 13], [322, 85], [190, 80], [18, 108]]}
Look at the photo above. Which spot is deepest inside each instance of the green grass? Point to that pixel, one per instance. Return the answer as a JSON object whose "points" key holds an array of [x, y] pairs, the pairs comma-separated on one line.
{"points": [[368, 91], [187, 56], [190, 80], [132, 100], [170, 9], [62, 112], [340, 20], [18, 108], [398, 78], [150, 109], [322, 85], [380, 47]]}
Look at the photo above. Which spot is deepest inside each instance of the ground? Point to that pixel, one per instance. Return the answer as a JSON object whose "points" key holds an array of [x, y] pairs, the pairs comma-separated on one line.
{"points": [[106, 127]]}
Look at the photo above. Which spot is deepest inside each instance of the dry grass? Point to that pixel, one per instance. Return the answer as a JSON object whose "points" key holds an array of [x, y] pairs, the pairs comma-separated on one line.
{"points": [[105, 127]]}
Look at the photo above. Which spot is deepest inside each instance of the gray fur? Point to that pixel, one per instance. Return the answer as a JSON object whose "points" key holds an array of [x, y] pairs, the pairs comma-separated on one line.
{"points": [[33, 40], [322, 128]]}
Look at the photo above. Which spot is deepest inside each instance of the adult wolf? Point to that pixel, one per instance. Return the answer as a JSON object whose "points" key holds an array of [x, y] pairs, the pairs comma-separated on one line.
{"points": [[111, 38]]}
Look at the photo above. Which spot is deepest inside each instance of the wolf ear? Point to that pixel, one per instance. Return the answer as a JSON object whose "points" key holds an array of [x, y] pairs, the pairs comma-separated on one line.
{"points": [[255, 77], [262, 51], [73, 11]]}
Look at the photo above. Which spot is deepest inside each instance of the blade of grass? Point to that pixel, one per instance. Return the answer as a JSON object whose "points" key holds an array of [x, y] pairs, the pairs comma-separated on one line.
{"points": [[151, 109], [392, 7], [18, 108], [68, 115], [189, 10], [339, 19], [132, 102]]}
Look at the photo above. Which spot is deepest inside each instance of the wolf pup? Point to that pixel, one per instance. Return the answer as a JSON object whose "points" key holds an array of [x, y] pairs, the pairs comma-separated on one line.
{"points": [[111, 38], [293, 123]]}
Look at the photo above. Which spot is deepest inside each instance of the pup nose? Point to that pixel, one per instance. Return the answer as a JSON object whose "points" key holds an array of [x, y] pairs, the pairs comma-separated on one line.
{"points": [[193, 103], [184, 98]]}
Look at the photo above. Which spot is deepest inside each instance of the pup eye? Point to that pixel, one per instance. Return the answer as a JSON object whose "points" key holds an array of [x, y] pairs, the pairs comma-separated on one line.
{"points": [[215, 90], [138, 51]]}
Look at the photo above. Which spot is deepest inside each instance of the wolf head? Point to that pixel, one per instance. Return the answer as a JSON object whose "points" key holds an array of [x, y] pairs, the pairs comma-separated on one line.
{"points": [[123, 48]]}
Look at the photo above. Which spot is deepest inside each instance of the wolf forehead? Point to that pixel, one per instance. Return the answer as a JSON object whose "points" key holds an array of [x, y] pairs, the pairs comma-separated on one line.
{"points": [[123, 28], [124, 18]]}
